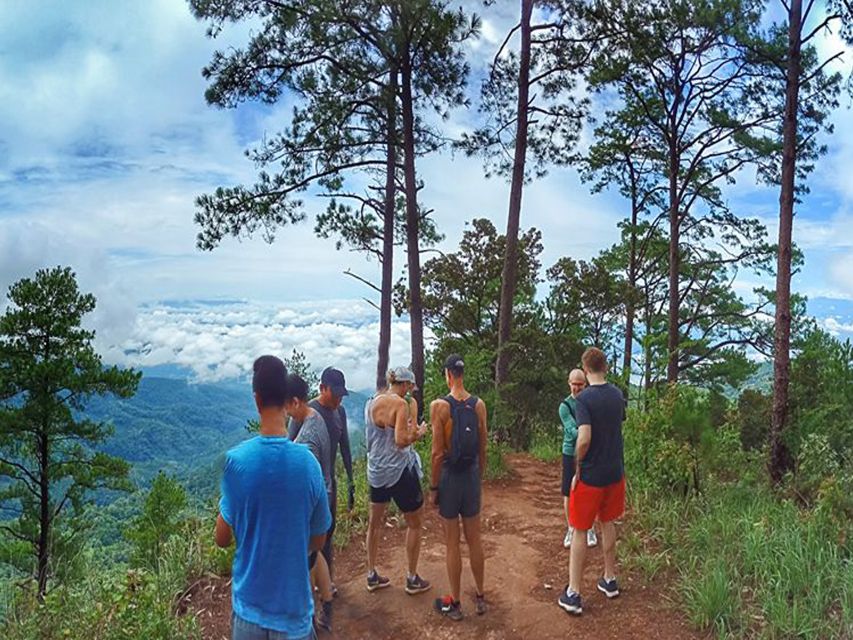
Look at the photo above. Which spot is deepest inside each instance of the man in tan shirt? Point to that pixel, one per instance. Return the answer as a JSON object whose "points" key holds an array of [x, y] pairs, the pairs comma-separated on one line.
{"points": [[459, 436]]}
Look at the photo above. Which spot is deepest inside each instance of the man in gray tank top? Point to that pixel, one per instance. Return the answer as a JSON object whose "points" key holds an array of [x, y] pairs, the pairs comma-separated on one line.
{"points": [[393, 473]]}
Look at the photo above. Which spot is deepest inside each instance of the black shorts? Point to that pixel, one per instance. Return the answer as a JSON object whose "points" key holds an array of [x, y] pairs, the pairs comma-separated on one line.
{"points": [[459, 492], [568, 474], [406, 493]]}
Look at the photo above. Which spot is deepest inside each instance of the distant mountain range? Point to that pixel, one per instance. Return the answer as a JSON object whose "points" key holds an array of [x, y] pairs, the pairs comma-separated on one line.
{"points": [[184, 428]]}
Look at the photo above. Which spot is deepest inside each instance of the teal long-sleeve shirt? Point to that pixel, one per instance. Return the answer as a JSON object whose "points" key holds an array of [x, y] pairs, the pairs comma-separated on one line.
{"points": [[570, 425]]}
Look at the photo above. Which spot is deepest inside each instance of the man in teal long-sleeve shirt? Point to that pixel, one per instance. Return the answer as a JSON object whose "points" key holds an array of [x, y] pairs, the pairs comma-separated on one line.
{"points": [[577, 383]]}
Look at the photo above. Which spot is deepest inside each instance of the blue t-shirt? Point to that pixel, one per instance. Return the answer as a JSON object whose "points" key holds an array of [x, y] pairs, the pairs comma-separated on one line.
{"points": [[274, 499]]}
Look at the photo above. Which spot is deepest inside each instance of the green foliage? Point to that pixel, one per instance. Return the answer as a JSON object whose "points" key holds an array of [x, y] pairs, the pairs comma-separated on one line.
{"points": [[161, 518], [49, 468], [104, 600], [753, 417]]}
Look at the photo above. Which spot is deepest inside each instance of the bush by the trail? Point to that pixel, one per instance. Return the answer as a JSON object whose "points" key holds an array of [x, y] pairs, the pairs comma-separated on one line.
{"points": [[750, 560], [106, 601]]}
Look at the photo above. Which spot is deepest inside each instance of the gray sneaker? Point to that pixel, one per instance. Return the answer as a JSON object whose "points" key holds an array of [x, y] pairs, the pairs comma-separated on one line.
{"points": [[375, 581], [416, 585], [449, 609], [591, 538], [324, 617]]}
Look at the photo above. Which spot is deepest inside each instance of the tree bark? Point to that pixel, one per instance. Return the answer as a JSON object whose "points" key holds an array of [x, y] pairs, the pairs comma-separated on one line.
{"points": [[388, 234], [509, 276], [632, 282], [416, 314], [44, 513], [779, 459], [674, 232]]}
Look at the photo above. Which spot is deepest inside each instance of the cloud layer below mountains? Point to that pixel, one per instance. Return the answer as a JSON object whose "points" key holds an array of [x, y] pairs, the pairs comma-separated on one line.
{"points": [[220, 340]]}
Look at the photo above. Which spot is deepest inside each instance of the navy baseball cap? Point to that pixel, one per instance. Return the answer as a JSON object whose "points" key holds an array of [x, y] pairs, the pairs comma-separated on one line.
{"points": [[334, 379]]}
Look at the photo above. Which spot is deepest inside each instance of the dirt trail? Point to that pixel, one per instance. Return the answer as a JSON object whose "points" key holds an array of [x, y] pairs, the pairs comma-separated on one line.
{"points": [[526, 566]]}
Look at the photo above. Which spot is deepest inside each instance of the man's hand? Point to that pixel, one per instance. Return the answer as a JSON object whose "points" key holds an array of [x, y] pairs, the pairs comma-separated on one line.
{"points": [[350, 497], [423, 427]]}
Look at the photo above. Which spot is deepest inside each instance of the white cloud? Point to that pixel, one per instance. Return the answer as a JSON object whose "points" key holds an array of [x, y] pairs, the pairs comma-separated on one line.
{"points": [[106, 141], [220, 341]]}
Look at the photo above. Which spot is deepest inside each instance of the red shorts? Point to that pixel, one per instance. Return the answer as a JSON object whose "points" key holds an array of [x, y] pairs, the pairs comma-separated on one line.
{"points": [[588, 502]]}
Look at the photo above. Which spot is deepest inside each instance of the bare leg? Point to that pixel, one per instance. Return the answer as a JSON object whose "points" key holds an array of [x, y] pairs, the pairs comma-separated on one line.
{"points": [[454, 558], [322, 579], [413, 539], [471, 527], [608, 537], [566, 509], [576, 560], [374, 527]]}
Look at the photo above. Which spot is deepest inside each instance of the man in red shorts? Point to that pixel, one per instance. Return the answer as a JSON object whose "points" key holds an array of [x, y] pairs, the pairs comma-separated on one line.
{"points": [[598, 488]]}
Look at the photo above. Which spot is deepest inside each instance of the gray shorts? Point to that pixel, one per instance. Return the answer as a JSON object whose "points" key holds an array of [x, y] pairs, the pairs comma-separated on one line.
{"points": [[459, 492]]}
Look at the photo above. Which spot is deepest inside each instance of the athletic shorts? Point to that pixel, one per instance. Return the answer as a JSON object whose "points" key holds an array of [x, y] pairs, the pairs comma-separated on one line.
{"points": [[459, 492], [568, 474], [588, 503], [406, 493]]}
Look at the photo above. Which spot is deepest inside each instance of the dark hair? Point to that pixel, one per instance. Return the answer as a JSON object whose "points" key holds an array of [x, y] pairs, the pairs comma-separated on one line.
{"points": [[269, 381], [297, 388], [455, 365], [594, 360]]}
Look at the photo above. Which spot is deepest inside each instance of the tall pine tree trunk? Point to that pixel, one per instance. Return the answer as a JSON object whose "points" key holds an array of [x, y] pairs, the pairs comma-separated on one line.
{"points": [[416, 313], [44, 513], [509, 276], [779, 460], [388, 234], [674, 232], [632, 283]]}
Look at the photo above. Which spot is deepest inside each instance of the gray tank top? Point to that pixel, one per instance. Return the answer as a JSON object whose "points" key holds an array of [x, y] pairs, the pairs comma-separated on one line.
{"points": [[386, 462]]}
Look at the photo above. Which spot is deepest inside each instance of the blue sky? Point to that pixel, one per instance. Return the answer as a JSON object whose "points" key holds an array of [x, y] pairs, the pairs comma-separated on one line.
{"points": [[105, 140]]}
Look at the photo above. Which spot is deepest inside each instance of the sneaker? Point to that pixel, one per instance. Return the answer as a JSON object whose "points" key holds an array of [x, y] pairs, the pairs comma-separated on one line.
{"points": [[608, 587], [480, 603], [334, 591], [570, 602], [324, 617], [591, 538], [567, 541], [446, 607], [416, 584], [375, 581]]}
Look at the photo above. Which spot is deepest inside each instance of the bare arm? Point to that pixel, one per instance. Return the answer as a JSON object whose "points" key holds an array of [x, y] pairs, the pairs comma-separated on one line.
{"points": [[482, 417], [315, 543], [438, 416], [582, 446], [404, 434], [222, 535]]}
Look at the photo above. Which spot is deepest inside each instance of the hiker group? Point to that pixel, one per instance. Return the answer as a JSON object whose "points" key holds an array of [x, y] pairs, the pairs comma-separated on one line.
{"points": [[279, 490]]}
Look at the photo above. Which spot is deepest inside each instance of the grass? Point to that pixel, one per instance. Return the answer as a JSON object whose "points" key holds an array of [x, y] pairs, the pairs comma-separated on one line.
{"points": [[547, 445], [749, 564]]}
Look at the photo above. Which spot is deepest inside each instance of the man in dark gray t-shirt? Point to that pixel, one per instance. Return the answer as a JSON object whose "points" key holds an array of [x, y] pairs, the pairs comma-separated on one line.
{"points": [[308, 428]]}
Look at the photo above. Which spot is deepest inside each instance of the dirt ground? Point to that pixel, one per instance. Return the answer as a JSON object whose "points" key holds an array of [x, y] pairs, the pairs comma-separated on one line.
{"points": [[526, 566]]}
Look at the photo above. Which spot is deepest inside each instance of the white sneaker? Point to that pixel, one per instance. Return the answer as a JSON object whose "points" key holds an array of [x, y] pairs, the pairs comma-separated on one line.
{"points": [[591, 538], [567, 541]]}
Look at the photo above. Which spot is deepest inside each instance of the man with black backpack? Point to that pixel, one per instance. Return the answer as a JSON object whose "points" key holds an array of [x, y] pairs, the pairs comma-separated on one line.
{"points": [[459, 437]]}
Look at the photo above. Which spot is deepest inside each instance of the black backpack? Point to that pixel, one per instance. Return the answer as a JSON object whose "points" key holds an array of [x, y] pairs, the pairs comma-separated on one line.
{"points": [[465, 437]]}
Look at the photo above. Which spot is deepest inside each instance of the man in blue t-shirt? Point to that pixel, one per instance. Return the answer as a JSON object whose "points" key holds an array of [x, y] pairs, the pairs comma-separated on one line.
{"points": [[274, 505]]}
